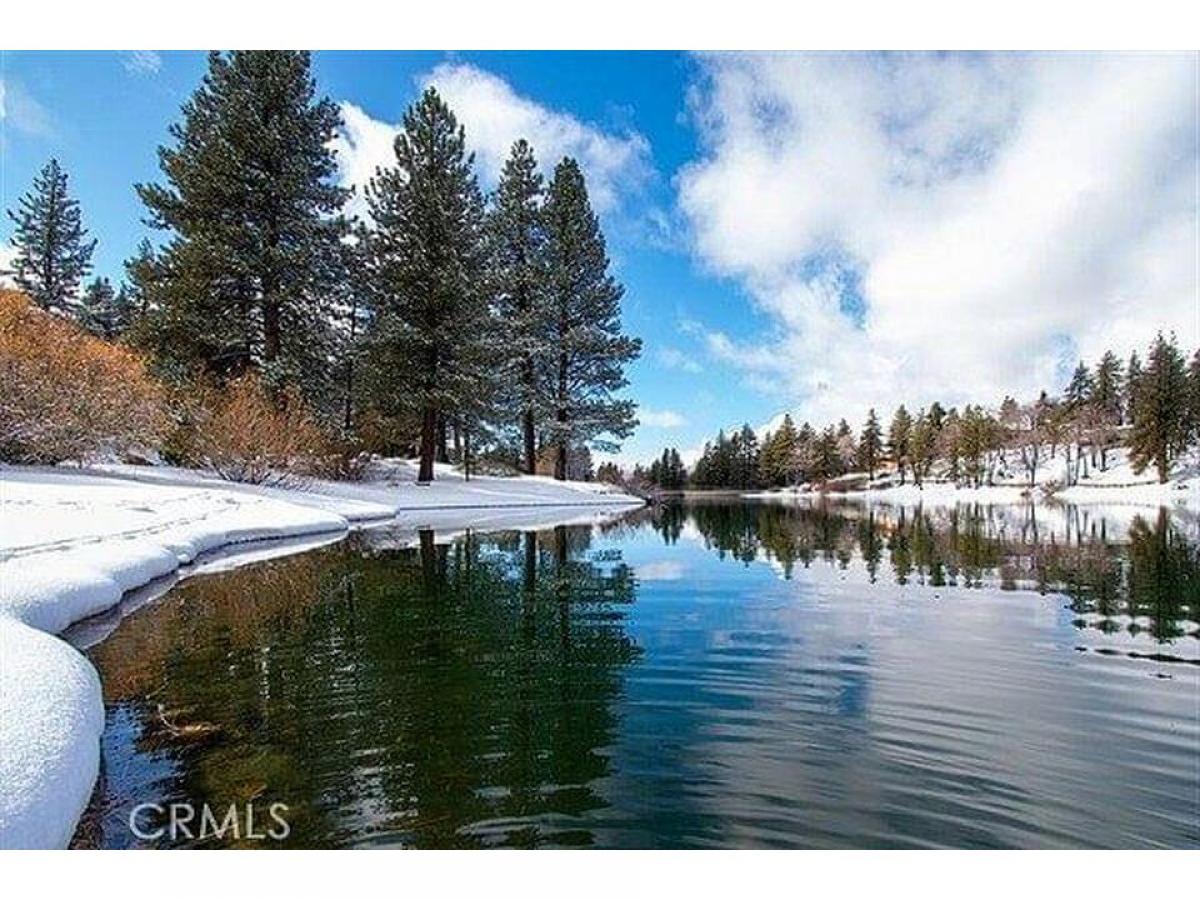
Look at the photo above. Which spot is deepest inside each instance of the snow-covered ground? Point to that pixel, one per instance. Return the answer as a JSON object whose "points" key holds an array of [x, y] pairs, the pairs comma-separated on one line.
{"points": [[74, 542], [1117, 485]]}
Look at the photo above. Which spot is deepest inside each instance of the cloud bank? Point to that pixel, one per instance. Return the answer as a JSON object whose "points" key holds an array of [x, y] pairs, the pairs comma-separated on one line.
{"points": [[945, 227], [495, 116]]}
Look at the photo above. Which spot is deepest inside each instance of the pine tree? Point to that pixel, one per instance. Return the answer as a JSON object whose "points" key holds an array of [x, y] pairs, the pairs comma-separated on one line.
{"points": [[1079, 391], [103, 311], [588, 351], [249, 275], [870, 445], [1106, 392], [827, 461], [1133, 375], [517, 255], [777, 457], [921, 447], [433, 344], [899, 435], [1160, 405], [1193, 398], [53, 254]]}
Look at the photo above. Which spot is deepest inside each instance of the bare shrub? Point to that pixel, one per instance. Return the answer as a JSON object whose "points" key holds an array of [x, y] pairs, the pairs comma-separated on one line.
{"points": [[66, 395], [243, 434]]}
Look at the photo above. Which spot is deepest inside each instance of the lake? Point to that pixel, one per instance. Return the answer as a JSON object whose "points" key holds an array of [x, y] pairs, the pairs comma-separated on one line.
{"points": [[698, 674]]}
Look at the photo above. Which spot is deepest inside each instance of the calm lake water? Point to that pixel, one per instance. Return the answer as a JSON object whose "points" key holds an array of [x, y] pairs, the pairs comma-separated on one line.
{"points": [[705, 675]]}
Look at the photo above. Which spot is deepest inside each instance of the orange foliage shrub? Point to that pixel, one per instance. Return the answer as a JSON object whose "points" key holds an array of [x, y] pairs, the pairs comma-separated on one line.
{"points": [[242, 434], [66, 395]]}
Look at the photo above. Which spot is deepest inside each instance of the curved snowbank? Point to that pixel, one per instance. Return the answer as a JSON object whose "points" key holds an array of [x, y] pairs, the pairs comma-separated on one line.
{"points": [[72, 543]]}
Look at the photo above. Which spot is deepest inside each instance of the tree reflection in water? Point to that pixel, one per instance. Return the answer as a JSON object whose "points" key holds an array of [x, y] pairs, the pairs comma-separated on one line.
{"points": [[450, 695], [1145, 576]]}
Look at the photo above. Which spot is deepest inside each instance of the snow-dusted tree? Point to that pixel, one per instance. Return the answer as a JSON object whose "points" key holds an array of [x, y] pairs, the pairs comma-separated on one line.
{"points": [[898, 437], [252, 205], [588, 351], [53, 254], [516, 237], [1160, 406], [434, 340], [870, 445]]}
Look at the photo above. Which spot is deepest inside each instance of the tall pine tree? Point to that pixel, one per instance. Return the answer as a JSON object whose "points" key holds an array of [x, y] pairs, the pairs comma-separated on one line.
{"points": [[433, 342], [53, 254], [251, 203], [588, 351], [899, 435], [1160, 405], [517, 259], [870, 445]]}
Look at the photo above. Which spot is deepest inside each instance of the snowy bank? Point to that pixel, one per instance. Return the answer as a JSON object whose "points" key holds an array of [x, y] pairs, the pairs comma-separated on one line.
{"points": [[73, 542], [1117, 485]]}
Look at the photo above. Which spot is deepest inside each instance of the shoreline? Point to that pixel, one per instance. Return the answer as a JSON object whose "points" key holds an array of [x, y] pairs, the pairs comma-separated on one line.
{"points": [[82, 563]]}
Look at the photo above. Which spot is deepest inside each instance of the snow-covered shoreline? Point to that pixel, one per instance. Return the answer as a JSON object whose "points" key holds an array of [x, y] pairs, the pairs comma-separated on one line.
{"points": [[1117, 485], [73, 543]]}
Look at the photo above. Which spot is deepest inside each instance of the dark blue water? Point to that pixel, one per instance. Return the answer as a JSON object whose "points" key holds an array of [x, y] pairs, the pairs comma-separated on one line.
{"points": [[703, 675]]}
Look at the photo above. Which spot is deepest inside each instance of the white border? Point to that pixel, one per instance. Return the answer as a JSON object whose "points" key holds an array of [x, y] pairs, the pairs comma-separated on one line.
{"points": [[607, 24]]}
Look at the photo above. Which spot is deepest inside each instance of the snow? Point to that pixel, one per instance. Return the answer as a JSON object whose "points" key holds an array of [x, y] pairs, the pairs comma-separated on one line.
{"points": [[1118, 485], [74, 542]]}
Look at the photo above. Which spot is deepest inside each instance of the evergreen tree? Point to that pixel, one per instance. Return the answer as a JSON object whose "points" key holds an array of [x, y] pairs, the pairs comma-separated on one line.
{"points": [[53, 254], [248, 277], [1133, 375], [103, 311], [588, 351], [827, 462], [778, 454], [1193, 398], [1106, 392], [921, 447], [806, 441], [870, 445], [1160, 406], [517, 252], [1079, 391], [433, 338], [899, 435]]}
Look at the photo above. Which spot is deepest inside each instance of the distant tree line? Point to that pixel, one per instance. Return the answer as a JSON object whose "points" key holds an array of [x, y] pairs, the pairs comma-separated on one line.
{"points": [[1152, 410], [448, 324]]}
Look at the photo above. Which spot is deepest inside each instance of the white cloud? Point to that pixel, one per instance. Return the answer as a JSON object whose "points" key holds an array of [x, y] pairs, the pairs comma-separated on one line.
{"points": [[141, 62], [494, 117], [673, 358], [21, 111], [945, 227], [665, 418]]}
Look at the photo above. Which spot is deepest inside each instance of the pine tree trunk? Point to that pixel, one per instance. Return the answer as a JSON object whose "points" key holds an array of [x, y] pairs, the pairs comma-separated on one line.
{"points": [[429, 423], [443, 452], [271, 337], [560, 461], [530, 443]]}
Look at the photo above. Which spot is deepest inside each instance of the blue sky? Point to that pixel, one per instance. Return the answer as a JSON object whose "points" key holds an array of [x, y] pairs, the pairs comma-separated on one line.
{"points": [[814, 232]]}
